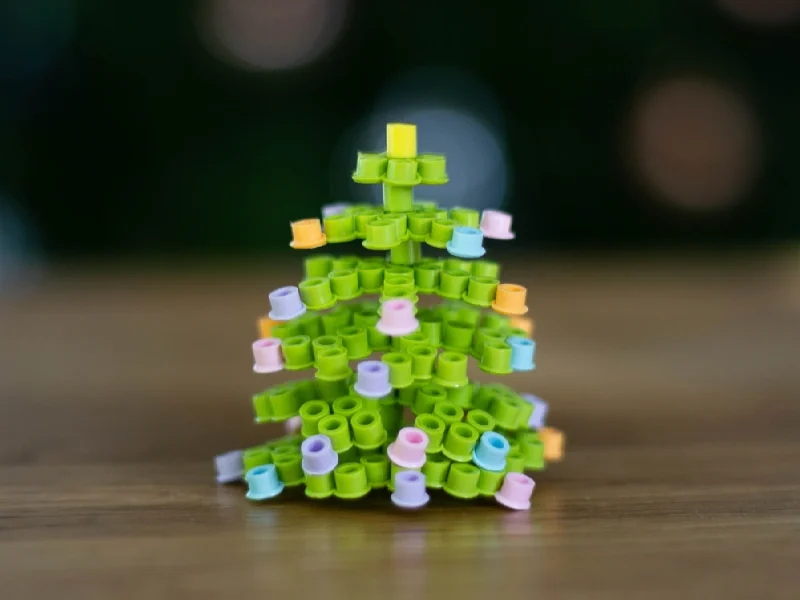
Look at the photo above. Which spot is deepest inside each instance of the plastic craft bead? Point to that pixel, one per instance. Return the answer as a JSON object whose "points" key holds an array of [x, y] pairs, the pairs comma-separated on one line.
{"points": [[400, 369], [290, 468], [369, 432], [319, 487], [336, 209], [370, 167], [516, 491], [419, 225], [403, 343], [426, 278], [324, 342], [267, 356], [451, 369], [318, 455], [532, 450], [459, 442], [377, 468], [515, 463], [362, 219], [263, 483], [496, 358], [401, 140], [229, 466], [510, 299], [408, 450], [489, 482], [441, 232], [462, 481], [309, 324], [458, 336], [347, 406], [381, 235], [522, 352], [423, 357], [431, 325], [491, 451], [428, 396], [453, 283], [485, 268], [311, 413], [483, 335], [370, 277], [338, 430], [285, 304], [435, 470], [355, 341], [373, 379], [369, 319], [397, 199], [344, 284], [407, 253], [255, 457], [410, 490], [553, 440], [481, 291], [461, 396], [432, 169], [339, 228], [480, 420], [496, 225], [350, 480], [307, 234], [466, 242], [434, 428], [505, 410], [265, 325], [405, 396], [332, 365], [448, 412], [466, 217], [316, 293], [397, 318], [401, 224], [523, 324], [334, 320], [539, 413]]}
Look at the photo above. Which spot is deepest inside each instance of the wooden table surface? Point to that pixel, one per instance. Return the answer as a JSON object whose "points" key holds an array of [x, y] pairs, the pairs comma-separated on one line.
{"points": [[677, 382]]}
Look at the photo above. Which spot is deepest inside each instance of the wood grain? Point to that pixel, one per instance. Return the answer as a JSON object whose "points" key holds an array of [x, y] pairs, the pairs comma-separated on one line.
{"points": [[676, 380]]}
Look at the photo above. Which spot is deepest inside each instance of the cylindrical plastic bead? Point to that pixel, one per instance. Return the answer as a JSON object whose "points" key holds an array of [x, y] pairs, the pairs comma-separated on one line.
{"points": [[402, 344], [515, 463], [489, 482], [486, 268], [522, 353], [377, 467], [334, 320], [350, 480], [312, 413], [427, 396], [362, 219], [441, 232], [532, 450], [449, 413], [339, 228], [378, 342], [290, 469], [297, 353], [435, 470], [465, 217], [283, 402], [423, 358], [453, 283], [370, 277], [391, 416], [481, 291], [397, 199], [344, 284], [431, 325], [496, 358], [332, 364], [347, 406], [319, 487], [482, 335], [318, 266], [457, 264], [355, 341], [407, 253], [330, 390], [324, 342], [255, 457], [397, 287], [525, 412], [401, 224], [490, 452], [505, 409], [426, 278], [434, 428], [458, 336], [337, 429], [310, 324], [419, 225], [262, 408], [406, 395], [318, 455], [400, 369], [462, 481], [408, 450], [480, 420], [461, 396], [451, 369], [343, 263], [381, 234], [316, 293], [459, 442], [368, 430]]}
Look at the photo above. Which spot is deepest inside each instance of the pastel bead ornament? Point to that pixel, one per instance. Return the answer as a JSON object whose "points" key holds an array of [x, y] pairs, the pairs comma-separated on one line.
{"points": [[397, 318], [267, 355], [263, 483], [553, 440], [319, 458], [491, 451], [516, 491], [496, 225], [466, 242], [372, 379], [538, 416], [307, 234], [408, 450], [229, 466], [409, 490], [522, 353], [510, 299], [285, 304]]}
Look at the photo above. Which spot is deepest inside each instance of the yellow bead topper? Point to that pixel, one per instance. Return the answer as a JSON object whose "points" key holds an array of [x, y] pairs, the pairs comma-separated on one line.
{"points": [[401, 140]]}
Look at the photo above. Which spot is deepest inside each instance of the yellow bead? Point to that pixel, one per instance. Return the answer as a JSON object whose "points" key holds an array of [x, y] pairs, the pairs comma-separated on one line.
{"points": [[401, 140]]}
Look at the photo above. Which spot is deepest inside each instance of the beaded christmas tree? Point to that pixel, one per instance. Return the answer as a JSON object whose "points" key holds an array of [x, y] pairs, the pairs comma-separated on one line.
{"points": [[410, 420]]}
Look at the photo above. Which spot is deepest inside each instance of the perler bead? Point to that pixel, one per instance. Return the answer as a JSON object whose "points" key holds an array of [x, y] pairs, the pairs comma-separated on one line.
{"points": [[385, 404]]}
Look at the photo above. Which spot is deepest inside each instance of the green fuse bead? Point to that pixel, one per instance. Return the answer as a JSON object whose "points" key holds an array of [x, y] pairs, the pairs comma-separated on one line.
{"points": [[310, 324], [483, 335], [453, 283], [339, 228], [461, 396], [378, 342], [481, 291], [344, 284], [283, 402], [334, 320], [425, 206], [457, 264], [403, 343], [297, 353], [347, 261], [255, 457], [377, 468], [517, 332], [486, 268], [448, 412], [469, 314], [405, 396], [487, 392], [428, 396], [496, 358], [426, 278], [435, 470], [432, 169], [489, 482], [370, 277], [351, 455], [525, 412], [480, 420], [391, 416], [284, 449], [316, 293], [337, 428], [405, 272], [368, 429], [347, 406], [441, 232], [400, 221], [330, 390], [381, 234], [318, 266], [285, 330], [319, 487], [311, 413], [532, 451], [324, 342], [290, 468], [515, 463], [505, 410], [354, 339], [459, 442], [305, 389], [407, 253], [400, 373], [462, 481], [350, 481], [430, 323], [458, 336], [332, 365], [361, 220], [397, 287], [261, 407], [419, 225], [423, 357], [451, 369], [434, 428], [397, 199], [465, 217]]}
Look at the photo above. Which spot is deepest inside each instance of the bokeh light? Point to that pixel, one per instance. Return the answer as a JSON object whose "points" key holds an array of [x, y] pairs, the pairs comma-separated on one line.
{"points": [[762, 12], [456, 115], [272, 35], [695, 143]]}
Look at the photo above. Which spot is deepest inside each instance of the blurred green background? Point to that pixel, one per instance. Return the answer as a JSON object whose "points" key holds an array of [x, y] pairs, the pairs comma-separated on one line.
{"points": [[177, 128]]}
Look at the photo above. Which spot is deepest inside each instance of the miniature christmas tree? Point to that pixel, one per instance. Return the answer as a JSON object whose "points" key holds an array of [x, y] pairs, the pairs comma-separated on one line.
{"points": [[408, 419]]}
